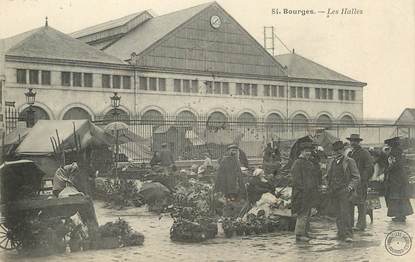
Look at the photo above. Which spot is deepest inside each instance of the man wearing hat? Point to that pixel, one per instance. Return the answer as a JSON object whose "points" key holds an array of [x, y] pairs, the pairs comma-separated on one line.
{"points": [[304, 191], [393, 143], [229, 175], [396, 183], [343, 179], [365, 165]]}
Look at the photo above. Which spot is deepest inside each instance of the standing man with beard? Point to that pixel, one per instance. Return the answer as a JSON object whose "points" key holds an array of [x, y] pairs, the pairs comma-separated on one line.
{"points": [[343, 179], [304, 191], [365, 165]]}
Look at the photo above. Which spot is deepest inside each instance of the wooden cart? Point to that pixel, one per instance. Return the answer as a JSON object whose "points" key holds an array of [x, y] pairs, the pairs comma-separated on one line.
{"points": [[21, 199]]}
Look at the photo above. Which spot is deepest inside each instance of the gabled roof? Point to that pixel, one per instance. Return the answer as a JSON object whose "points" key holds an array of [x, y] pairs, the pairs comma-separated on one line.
{"points": [[151, 31], [105, 26], [46, 42], [410, 112], [9, 42], [301, 67]]}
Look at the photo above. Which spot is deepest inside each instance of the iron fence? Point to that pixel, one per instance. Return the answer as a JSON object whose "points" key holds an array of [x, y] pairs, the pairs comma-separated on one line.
{"points": [[11, 118], [190, 139]]}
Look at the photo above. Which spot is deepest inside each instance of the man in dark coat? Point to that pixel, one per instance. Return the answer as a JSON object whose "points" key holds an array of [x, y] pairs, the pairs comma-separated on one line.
{"points": [[364, 163], [267, 153], [229, 175], [243, 160], [304, 190], [396, 184], [166, 156], [271, 160], [343, 180]]}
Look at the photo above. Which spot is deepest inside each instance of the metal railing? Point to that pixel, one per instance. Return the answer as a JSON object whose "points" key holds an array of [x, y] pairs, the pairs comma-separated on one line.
{"points": [[190, 138]]}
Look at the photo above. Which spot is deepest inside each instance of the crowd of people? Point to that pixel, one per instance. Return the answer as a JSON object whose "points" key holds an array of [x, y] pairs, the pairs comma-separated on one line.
{"points": [[342, 183], [349, 174]]}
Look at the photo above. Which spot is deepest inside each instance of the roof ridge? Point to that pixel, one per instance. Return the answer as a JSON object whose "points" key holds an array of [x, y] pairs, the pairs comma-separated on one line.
{"points": [[133, 15], [50, 33], [24, 40], [152, 45], [180, 10], [324, 66], [23, 35]]}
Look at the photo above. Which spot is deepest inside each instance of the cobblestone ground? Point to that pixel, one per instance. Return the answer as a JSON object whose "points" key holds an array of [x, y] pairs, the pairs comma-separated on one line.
{"points": [[368, 246]]}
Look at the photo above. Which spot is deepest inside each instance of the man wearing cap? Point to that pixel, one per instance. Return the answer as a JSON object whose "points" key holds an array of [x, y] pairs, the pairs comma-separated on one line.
{"points": [[304, 191], [365, 165], [343, 179], [229, 175], [396, 183]]}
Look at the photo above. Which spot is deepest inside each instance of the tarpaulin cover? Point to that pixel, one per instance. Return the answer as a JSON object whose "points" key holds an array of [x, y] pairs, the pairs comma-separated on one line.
{"points": [[37, 141], [16, 136]]}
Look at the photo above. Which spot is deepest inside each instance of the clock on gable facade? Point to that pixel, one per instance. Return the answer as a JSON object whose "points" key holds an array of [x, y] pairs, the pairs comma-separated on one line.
{"points": [[215, 21]]}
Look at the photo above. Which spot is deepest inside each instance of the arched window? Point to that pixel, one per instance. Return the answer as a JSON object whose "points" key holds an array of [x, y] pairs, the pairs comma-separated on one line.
{"points": [[246, 120], [38, 114], [324, 121], [217, 120], [274, 122], [76, 113], [299, 122], [116, 115], [186, 118], [152, 117], [347, 120]]}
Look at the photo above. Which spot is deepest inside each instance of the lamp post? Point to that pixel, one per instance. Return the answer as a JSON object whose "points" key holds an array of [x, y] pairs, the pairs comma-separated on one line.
{"points": [[115, 103], [30, 100]]}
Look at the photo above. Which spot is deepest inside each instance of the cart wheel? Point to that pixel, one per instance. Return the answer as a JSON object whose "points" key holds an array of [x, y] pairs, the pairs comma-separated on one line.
{"points": [[8, 239]]}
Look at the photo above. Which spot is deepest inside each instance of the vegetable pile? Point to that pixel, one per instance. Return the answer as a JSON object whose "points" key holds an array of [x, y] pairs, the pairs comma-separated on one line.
{"points": [[118, 234], [256, 224], [194, 211]]}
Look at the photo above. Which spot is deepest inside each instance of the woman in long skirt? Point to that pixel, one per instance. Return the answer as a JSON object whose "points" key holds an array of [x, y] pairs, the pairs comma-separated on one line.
{"points": [[397, 187]]}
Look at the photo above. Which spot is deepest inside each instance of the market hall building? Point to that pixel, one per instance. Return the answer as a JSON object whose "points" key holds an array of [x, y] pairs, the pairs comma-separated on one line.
{"points": [[190, 64]]}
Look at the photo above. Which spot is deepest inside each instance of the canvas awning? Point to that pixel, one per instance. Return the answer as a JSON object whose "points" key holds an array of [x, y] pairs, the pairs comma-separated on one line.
{"points": [[38, 140], [194, 138], [16, 136]]}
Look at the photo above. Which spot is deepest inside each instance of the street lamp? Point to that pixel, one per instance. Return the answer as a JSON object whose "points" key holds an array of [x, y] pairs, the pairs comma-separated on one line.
{"points": [[115, 103], [30, 100]]}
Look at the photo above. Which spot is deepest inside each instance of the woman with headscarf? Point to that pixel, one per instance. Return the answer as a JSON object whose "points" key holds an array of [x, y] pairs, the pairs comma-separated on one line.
{"points": [[64, 176]]}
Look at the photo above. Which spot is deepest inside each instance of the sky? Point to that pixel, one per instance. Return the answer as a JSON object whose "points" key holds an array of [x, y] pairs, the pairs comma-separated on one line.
{"points": [[376, 47]]}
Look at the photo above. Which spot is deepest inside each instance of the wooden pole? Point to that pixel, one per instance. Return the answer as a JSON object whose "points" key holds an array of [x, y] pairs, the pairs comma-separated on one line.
{"points": [[3, 151], [116, 152]]}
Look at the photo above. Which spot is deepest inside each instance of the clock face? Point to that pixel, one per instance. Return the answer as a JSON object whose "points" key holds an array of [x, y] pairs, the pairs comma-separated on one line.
{"points": [[215, 21]]}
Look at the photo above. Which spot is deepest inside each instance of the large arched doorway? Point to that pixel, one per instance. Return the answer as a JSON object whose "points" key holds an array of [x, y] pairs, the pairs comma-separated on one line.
{"points": [[324, 121], [116, 115], [76, 113], [152, 117], [274, 122], [299, 122], [347, 121], [37, 113], [247, 120], [186, 118], [217, 120]]}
